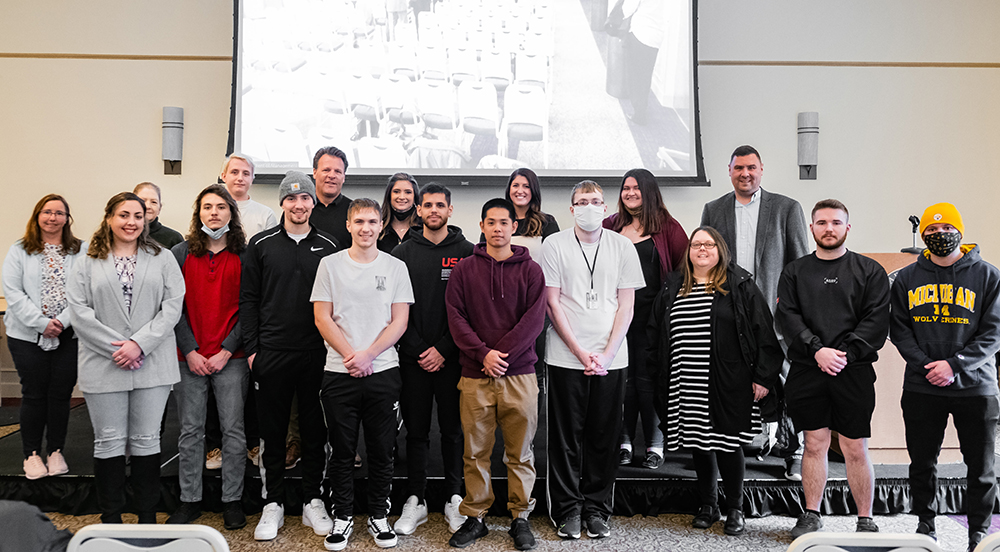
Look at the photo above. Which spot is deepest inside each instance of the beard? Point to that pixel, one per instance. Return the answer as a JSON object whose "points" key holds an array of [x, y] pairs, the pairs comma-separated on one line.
{"points": [[435, 226], [836, 245]]}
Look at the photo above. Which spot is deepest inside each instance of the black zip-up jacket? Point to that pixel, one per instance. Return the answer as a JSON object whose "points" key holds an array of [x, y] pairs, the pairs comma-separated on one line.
{"points": [[430, 267], [744, 351], [277, 280], [948, 313]]}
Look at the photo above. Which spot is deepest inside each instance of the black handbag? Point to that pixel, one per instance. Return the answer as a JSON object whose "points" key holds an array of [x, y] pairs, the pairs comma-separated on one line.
{"points": [[617, 24]]}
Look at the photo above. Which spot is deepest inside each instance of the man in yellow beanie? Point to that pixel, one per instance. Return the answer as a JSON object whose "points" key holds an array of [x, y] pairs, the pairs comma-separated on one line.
{"points": [[946, 325]]}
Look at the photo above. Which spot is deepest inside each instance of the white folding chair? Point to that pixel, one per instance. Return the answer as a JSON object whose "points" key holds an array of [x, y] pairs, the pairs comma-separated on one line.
{"points": [[989, 544], [883, 542], [119, 538]]}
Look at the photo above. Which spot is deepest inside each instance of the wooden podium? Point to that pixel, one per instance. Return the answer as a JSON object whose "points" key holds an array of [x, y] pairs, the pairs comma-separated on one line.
{"points": [[888, 441]]}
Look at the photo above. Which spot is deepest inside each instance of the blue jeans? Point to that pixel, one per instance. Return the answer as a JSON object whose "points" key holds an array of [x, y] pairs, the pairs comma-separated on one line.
{"points": [[131, 417], [230, 388]]}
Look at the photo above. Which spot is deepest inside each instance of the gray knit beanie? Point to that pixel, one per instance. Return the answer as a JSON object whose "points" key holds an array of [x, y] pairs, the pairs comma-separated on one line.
{"points": [[296, 182]]}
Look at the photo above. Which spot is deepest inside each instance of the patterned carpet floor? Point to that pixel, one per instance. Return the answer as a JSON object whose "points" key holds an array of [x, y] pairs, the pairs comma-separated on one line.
{"points": [[661, 533]]}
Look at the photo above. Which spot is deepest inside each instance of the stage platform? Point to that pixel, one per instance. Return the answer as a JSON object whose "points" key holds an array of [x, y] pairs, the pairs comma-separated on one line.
{"points": [[668, 489]]}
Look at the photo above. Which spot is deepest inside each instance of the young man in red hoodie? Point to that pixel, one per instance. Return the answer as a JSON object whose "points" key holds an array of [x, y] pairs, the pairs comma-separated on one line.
{"points": [[496, 306]]}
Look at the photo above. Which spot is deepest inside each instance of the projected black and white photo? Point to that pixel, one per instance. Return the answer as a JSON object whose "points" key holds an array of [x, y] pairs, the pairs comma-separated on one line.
{"points": [[565, 87]]}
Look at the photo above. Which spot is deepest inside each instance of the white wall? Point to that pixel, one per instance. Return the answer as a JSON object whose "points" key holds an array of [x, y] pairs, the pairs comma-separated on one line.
{"points": [[893, 139]]}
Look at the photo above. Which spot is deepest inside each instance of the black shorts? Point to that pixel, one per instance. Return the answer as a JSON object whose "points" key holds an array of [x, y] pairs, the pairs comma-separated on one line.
{"points": [[843, 403]]}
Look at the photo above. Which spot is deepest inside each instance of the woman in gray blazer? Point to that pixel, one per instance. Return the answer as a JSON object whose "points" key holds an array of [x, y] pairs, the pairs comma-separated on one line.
{"points": [[39, 333], [125, 299]]}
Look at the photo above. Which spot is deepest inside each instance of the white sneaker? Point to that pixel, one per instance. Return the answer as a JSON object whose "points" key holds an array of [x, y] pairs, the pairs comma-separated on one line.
{"points": [[271, 519], [314, 515], [414, 514], [382, 532], [455, 519], [337, 539]]}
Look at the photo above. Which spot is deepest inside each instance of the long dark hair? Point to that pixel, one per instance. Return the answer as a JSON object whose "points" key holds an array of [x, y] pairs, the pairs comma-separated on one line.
{"points": [[534, 220], [100, 244], [387, 200], [32, 240], [653, 213], [717, 276], [198, 240]]}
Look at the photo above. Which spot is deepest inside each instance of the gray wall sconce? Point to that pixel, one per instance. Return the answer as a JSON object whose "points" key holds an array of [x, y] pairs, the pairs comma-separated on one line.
{"points": [[173, 139], [808, 144]]}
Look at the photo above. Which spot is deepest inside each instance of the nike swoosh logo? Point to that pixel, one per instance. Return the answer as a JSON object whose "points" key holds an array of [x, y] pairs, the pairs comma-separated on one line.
{"points": [[315, 249]]}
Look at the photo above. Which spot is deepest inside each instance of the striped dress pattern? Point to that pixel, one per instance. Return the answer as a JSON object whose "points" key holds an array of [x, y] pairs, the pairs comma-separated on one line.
{"points": [[688, 425]]}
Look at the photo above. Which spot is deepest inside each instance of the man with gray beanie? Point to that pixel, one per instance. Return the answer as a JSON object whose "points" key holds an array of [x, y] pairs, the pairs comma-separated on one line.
{"points": [[286, 351]]}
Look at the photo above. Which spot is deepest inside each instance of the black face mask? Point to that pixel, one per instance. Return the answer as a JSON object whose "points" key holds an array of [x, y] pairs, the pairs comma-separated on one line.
{"points": [[403, 215], [943, 244]]}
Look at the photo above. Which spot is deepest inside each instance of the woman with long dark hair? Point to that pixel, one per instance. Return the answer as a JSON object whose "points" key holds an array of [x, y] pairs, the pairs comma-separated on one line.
{"points": [[715, 358], [39, 333], [399, 211], [533, 225], [661, 244], [125, 298]]}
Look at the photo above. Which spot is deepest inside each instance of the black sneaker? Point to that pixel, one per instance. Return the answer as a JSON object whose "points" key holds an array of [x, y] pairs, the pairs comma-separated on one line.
{"points": [[597, 527], [520, 531], [925, 528], [470, 531], [382, 532], [569, 529], [624, 457], [866, 525], [188, 512], [342, 529], [706, 517], [233, 516], [652, 460], [975, 539], [735, 524], [808, 522]]}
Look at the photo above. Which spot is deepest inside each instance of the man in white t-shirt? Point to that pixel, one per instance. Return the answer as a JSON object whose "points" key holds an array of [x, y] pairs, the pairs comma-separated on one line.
{"points": [[237, 174], [361, 302], [591, 276]]}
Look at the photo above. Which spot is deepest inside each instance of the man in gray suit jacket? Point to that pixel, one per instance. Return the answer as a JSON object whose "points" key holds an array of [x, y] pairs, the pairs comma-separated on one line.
{"points": [[764, 232]]}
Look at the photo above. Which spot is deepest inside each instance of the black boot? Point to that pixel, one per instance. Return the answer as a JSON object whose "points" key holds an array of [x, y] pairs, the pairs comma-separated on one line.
{"points": [[110, 479], [145, 482]]}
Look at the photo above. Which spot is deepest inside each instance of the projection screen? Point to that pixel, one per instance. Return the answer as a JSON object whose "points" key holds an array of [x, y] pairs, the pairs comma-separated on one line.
{"points": [[466, 90]]}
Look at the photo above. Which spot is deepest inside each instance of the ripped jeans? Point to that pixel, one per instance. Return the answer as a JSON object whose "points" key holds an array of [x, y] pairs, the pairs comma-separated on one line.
{"points": [[127, 417]]}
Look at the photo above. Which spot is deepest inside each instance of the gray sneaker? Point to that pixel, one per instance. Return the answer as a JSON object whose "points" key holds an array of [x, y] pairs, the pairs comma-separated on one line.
{"points": [[808, 523], [597, 527], [867, 525], [569, 528]]}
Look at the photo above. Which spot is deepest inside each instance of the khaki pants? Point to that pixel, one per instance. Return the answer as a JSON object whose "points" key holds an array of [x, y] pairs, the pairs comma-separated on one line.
{"points": [[511, 402]]}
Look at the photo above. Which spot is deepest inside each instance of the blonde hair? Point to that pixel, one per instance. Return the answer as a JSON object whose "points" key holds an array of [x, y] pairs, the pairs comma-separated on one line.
{"points": [[585, 187]]}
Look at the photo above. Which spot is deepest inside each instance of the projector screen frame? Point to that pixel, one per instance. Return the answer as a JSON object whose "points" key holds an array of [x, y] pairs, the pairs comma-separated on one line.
{"points": [[455, 179]]}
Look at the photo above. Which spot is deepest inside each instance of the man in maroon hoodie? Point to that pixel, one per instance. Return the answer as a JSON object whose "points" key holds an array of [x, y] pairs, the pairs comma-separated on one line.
{"points": [[496, 305]]}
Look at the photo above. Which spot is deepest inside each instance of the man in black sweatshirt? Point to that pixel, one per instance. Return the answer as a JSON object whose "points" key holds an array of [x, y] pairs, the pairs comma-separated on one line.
{"points": [[833, 309], [428, 357], [285, 350], [946, 325]]}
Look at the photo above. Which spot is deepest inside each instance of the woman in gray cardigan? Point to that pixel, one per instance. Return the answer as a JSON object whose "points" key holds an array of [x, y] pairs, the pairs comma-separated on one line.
{"points": [[125, 299], [39, 333]]}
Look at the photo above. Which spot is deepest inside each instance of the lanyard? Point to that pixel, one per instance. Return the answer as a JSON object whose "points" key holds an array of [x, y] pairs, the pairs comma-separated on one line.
{"points": [[586, 260]]}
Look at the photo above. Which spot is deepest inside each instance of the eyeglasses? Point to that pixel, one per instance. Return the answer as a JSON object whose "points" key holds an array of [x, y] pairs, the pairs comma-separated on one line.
{"points": [[584, 202], [50, 213], [702, 245]]}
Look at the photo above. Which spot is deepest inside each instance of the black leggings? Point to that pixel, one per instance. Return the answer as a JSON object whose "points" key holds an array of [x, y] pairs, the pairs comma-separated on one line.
{"points": [[731, 465]]}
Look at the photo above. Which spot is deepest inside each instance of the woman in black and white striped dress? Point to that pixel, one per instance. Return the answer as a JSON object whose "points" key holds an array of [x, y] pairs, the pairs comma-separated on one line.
{"points": [[716, 356]]}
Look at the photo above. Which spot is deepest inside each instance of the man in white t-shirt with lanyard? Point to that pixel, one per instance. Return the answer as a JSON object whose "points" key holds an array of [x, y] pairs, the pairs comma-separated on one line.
{"points": [[591, 277], [361, 302]]}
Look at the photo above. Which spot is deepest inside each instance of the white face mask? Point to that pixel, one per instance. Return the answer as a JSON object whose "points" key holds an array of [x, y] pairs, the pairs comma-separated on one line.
{"points": [[215, 234], [588, 217]]}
